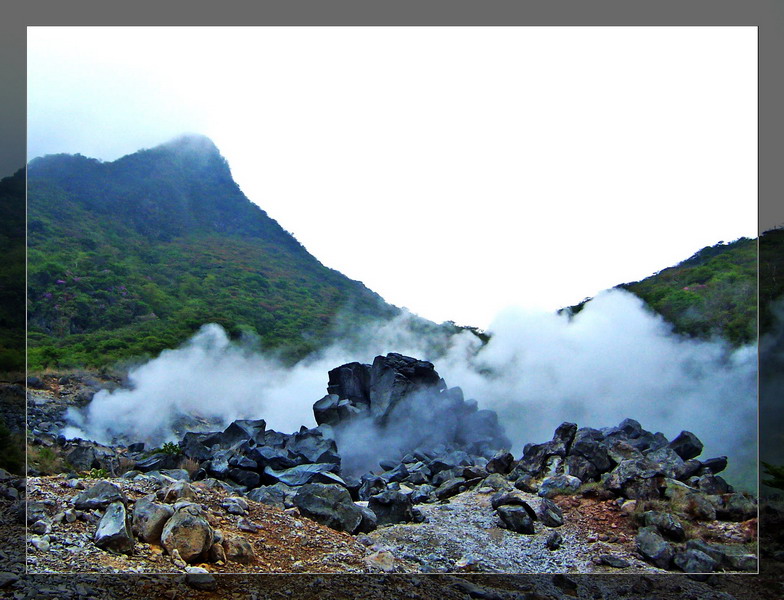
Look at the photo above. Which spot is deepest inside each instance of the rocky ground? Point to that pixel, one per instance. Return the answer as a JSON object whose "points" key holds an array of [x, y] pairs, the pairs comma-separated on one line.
{"points": [[447, 544]]}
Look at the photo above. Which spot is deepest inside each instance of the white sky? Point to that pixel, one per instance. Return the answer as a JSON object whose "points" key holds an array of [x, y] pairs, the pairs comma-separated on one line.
{"points": [[456, 171]]}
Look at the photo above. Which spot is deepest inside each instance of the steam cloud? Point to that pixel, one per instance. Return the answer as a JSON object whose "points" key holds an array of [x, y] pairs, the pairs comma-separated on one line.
{"points": [[615, 359]]}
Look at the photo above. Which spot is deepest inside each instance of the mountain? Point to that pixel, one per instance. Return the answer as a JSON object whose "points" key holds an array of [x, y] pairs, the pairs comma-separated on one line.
{"points": [[714, 292], [127, 258]]}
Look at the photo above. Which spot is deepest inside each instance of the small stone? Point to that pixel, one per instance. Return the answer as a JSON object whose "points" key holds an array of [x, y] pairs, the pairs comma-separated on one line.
{"points": [[383, 561], [201, 581], [613, 561]]}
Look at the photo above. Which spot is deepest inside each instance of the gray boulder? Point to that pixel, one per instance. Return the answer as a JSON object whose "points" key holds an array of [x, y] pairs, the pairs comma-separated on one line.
{"points": [[304, 474], [557, 485], [666, 524], [149, 517], [516, 518], [113, 532], [652, 546], [100, 495], [550, 513], [695, 561], [391, 507], [188, 532], [330, 505], [686, 445]]}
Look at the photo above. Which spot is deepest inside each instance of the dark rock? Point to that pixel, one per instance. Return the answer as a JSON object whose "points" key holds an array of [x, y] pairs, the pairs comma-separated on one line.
{"points": [[713, 484], [450, 488], [715, 465], [668, 460], [553, 540], [332, 409], [444, 476], [193, 447], [136, 447], [201, 581], [113, 532], [424, 493], [330, 505], [666, 524], [550, 513], [511, 499], [615, 562], [242, 430], [394, 376], [249, 479], [516, 518], [269, 456], [369, 521], [526, 483], [313, 447], [736, 507], [582, 468], [350, 381], [271, 495], [630, 470], [149, 517], [501, 462], [686, 445], [157, 461], [695, 561], [100, 495], [450, 461], [398, 473], [304, 474], [652, 546], [243, 462], [82, 458], [371, 485], [391, 507]]}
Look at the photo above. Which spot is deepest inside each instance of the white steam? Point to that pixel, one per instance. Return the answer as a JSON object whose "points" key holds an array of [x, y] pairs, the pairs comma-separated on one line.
{"points": [[615, 359]]}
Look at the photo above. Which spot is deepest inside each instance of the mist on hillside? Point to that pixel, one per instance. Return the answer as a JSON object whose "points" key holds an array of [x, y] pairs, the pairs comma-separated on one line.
{"points": [[615, 359]]}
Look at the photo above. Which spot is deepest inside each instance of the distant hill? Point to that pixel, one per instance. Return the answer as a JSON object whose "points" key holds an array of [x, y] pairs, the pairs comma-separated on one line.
{"points": [[712, 293], [127, 258]]}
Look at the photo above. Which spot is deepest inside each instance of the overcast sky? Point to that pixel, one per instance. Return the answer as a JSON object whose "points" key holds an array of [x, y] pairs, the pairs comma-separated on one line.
{"points": [[455, 171]]}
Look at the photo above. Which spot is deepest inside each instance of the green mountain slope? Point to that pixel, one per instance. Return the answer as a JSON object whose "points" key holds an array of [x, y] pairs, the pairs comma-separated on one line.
{"points": [[130, 257], [714, 292]]}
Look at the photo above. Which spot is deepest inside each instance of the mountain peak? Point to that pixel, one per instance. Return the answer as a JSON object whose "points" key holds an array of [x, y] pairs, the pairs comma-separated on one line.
{"points": [[191, 143]]}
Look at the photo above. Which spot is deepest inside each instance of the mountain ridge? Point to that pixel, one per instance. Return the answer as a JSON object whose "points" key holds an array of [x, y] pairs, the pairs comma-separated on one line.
{"points": [[165, 234]]}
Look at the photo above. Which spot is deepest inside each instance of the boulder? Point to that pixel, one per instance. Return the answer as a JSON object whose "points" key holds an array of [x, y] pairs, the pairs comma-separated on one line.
{"points": [[237, 549], [304, 474], [272, 495], [557, 485], [686, 445], [450, 488], [391, 507], [550, 513], [715, 465], [113, 532], [188, 532], [501, 462], [158, 461], [149, 517], [736, 507], [100, 495], [269, 456], [370, 486], [653, 548], [330, 505], [695, 561], [666, 524], [516, 518]]}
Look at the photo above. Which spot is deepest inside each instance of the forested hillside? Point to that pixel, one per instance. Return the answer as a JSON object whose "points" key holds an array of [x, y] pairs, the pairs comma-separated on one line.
{"points": [[130, 257], [712, 293]]}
